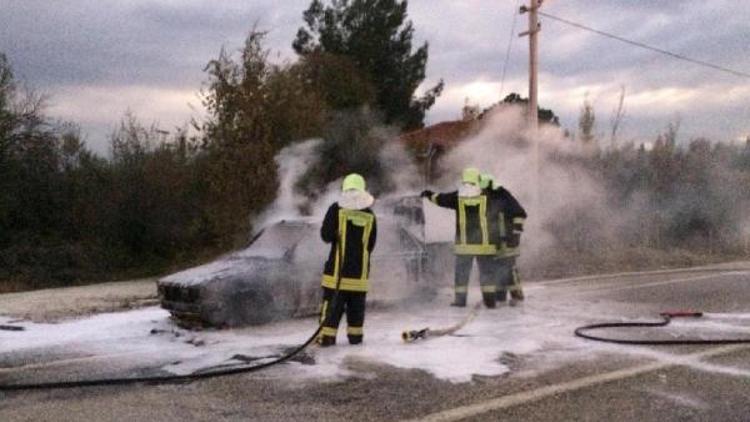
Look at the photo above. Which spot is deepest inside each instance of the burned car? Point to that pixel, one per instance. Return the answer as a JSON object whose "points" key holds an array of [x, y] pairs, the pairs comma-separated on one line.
{"points": [[278, 275]]}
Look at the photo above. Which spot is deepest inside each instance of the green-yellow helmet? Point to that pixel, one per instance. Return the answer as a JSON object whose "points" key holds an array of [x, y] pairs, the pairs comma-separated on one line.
{"points": [[470, 175], [353, 182], [485, 180]]}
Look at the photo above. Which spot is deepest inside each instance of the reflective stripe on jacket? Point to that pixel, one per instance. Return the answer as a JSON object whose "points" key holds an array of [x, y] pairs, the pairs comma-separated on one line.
{"points": [[357, 231], [473, 229]]}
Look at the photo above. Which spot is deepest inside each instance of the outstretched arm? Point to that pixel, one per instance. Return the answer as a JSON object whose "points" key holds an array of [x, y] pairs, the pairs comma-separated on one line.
{"points": [[445, 200]]}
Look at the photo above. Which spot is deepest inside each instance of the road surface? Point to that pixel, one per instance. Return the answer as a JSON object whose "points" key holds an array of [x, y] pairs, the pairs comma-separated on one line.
{"points": [[559, 378]]}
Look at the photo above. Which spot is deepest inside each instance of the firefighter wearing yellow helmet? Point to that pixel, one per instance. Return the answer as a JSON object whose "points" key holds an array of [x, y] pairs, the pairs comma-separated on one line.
{"points": [[350, 227], [510, 217], [473, 239]]}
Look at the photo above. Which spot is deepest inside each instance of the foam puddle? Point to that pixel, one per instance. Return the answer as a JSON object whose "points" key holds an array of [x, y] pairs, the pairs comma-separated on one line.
{"points": [[474, 351], [147, 338]]}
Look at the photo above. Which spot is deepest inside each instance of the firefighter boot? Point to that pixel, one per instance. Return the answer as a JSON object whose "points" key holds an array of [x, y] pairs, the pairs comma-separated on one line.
{"points": [[327, 336], [354, 334], [489, 295], [461, 291], [460, 300], [326, 341], [501, 295]]}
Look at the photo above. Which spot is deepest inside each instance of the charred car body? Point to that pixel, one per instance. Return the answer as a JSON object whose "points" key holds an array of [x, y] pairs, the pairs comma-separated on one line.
{"points": [[278, 275]]}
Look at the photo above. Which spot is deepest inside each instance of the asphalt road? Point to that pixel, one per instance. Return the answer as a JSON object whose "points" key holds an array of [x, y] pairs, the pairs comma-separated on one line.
{"points": [[707, 383]]}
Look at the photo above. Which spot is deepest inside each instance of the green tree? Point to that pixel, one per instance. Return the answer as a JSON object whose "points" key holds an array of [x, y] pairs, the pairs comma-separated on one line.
{"points": [[544, 115], [352, 143], [337, 80], [377, 38], [587, 125], [7, 90], [255, 109]]}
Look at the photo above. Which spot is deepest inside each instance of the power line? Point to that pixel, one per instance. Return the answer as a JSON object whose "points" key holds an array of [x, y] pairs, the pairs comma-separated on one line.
{"points": [[646, 46], [510, 44]]}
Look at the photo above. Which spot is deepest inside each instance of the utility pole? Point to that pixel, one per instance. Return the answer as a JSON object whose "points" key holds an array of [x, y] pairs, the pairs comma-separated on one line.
{"points": [[532, 32], [532, 114]]}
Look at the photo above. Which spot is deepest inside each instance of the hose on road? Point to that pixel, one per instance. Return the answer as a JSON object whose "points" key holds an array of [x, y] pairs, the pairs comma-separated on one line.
{"points": [[666, 318], [178, 378], [409, 336], [159, 379]]}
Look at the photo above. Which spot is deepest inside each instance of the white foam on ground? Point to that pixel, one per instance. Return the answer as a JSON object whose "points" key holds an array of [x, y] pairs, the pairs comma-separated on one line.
{"points": [[733, 316], [540, 328], [475, 351]]}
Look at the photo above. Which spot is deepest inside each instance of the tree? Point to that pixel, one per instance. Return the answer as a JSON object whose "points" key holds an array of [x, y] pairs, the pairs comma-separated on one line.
{"points": [[7, 88], [544, 115], [587, 125], [470, 111], [377, 38], [255, 109], [337, 80], [617, 117], [352, 143]]}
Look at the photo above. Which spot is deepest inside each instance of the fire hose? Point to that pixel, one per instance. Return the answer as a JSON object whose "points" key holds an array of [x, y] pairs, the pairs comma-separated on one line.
{"points": [[666, 318], [409, 336], [178, 378], [159, 379]]}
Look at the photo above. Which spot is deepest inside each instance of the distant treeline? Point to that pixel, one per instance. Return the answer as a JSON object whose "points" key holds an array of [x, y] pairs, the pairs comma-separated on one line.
{"points": [[162, 200], [663, 205], [693, 196]]}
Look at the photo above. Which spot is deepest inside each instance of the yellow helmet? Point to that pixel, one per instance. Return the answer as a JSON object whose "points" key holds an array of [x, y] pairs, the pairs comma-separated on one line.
{"points": [[353, 182], [486, 180], [470, 175]]}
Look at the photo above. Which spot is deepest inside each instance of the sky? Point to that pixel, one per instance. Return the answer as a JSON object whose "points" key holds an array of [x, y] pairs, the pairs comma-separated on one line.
{"points": [[98, 59]]}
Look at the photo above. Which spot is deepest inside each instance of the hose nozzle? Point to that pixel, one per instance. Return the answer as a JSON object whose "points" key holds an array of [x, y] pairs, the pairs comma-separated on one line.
{"points": [[412, 335]]}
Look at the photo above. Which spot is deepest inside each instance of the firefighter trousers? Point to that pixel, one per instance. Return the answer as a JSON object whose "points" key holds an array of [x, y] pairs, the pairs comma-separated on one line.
{"points": [[331, 311], [508, 279], [487, 278]]}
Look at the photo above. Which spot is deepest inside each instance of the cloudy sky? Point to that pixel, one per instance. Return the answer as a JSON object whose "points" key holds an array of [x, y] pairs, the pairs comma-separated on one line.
{"points": [[98, 58]]}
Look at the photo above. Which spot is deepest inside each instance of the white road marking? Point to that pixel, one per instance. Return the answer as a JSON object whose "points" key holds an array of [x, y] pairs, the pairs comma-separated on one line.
{"points": [[661, 283], [463, 412], [636, 285], [711, 268]]}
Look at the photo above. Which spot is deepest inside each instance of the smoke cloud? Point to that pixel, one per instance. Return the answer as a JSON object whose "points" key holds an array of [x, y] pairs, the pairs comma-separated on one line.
{"points": [[572, 213], [560, 190], [498, 148]]}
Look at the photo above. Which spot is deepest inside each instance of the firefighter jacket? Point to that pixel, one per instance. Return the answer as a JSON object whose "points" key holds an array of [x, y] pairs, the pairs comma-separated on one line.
{"points": [[509, 218], [352, 234], [473, 227]]}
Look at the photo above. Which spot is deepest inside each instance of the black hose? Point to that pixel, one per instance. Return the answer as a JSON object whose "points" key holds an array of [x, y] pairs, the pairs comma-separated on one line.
{"points": [[11, 328], [159, 379], [177, 378], [666, 319]]}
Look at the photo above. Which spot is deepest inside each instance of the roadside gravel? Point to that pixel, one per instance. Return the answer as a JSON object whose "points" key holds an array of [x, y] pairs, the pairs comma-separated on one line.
{"points": [[50, 305]]}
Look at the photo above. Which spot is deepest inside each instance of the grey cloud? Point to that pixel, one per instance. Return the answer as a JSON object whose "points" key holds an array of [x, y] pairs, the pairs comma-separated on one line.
{"points": [[166, 43], [145, 42]]}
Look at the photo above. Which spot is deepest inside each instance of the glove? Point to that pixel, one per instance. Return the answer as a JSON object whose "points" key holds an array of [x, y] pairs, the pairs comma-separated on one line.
{"points": [[426, 194], [514, 240]]}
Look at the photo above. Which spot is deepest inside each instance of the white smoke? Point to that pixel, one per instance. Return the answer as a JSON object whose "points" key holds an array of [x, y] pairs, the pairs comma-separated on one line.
{"points": [[292, 162], [558, 192], [553, 192]]}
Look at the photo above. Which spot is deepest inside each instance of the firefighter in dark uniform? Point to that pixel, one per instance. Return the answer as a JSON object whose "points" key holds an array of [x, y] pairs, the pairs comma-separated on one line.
{"points": [[473, 240], [350, 227], [510, 217]]}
